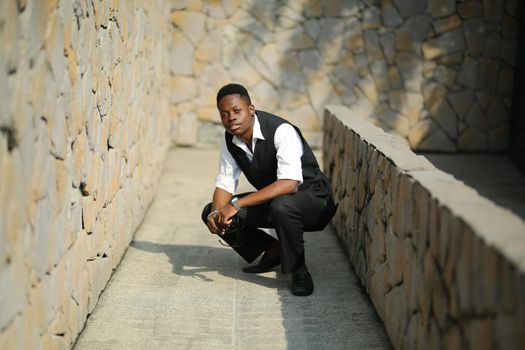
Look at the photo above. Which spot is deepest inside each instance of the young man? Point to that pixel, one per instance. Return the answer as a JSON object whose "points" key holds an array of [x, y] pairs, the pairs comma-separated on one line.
{"points": [[292, 196]]}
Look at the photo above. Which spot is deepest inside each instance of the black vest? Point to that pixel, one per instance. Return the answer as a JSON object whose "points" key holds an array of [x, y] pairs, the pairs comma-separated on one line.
{"points": [[262, 170]]}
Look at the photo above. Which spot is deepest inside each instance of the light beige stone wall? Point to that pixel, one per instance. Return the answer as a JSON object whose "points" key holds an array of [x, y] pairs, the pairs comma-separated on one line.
{"points": [[444, 267], [437, 72], [84, 128]]}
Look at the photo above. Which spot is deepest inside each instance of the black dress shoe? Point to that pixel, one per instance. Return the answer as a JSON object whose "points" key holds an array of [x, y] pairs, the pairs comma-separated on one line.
{"points": [[302, 283], [264, 265]]}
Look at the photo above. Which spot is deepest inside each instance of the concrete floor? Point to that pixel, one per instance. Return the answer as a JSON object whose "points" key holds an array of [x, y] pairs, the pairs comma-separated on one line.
{"points": [[494, 176], [178, 288]]}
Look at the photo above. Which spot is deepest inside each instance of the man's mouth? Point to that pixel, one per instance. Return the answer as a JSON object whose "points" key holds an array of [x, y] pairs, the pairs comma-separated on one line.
{"points": [[234, 127]]}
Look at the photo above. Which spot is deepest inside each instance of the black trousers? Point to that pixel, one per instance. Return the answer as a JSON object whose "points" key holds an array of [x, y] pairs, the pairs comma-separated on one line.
{"points": [[290, 215]]}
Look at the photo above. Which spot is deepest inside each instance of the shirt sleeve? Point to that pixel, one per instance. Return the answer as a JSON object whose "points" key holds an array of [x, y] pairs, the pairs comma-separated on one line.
{"points": [[289, 148], [229, 171]]}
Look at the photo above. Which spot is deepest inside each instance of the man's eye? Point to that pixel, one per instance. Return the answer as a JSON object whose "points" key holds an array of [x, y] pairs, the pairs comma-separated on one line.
{"points": [[236, 111]]}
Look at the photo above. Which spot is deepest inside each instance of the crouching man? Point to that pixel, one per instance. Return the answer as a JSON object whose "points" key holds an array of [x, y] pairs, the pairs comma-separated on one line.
{"points": [[293, 195]]}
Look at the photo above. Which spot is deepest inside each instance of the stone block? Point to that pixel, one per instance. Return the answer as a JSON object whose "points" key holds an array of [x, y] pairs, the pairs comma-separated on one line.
{"points": [[389, 15], [472, 140], [290, 73], [396, 316], [410, 35], [461, 102], [470, 9], [313, 9], [487, 74], [388, 44], [9, 35], [468, 73], [492, 45], [420, 220], [379, 71], [498, 113], [182, 55], [509, 27], [376, 289], [266, 95], [440, 8], [477, 119], [439, 303], [304, 116], [372, 46], [293, 39], [371, 18], [409, 8], [425, 293], [183, 89], [446, 24], [354, 36], [493, 10], [337, 8], [311, 27], [210, 47], [330, 42], [394, 78], [369, 89], [446, 76], [192, 24], [412, 278], [395, 255], [437, 141], [508, 51], [499, 138], [447, 43], [411, 70], [505, 85], [454, 58], [479, 334]]}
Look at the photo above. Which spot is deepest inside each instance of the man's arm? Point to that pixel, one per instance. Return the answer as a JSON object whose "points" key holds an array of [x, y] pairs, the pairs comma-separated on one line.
{"points": [[265, 194]]}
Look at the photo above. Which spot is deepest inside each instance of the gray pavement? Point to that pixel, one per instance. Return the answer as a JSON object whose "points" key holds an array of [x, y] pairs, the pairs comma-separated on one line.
{"points": [[178, 288], [493, 176]]}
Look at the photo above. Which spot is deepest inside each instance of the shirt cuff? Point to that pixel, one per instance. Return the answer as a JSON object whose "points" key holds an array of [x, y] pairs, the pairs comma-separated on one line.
{"points": [[290, 173], [229, 185]]}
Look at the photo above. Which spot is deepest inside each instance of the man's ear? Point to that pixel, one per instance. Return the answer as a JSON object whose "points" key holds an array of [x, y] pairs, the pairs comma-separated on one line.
{"points": [[252, 109]]}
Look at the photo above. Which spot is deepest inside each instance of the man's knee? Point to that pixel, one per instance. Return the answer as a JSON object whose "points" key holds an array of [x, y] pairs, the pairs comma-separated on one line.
{"points": [[205, 212], [281, 206]]}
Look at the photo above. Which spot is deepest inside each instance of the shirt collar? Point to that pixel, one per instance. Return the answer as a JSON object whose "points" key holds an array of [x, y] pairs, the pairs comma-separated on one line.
{"points": [[257, 134]]}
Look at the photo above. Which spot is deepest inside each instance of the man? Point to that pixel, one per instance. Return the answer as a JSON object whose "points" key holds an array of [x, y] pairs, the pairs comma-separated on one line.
{"points": [[292, 196]]}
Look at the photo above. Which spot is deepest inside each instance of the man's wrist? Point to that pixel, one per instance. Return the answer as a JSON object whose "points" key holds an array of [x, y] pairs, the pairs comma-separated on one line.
{"points": [[235, 203]]}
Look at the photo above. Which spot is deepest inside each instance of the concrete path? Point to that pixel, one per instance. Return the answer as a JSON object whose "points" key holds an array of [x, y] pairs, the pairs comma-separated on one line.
{"points": [[178, 288]]}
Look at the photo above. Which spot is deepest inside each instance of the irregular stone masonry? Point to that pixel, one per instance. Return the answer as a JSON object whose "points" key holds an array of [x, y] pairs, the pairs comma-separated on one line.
{"points": [[84, 129], [444, 266], [437, 72]]}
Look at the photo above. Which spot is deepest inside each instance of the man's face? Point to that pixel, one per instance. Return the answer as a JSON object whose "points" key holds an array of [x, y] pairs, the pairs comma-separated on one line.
{"points": [[236, 116]]}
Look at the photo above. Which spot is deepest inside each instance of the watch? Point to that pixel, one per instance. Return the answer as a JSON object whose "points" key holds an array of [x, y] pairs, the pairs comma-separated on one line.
{"points": [[235, 204]]}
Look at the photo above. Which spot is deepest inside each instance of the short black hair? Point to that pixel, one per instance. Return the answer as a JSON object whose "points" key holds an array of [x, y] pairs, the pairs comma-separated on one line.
{"points": [[233, 89]]}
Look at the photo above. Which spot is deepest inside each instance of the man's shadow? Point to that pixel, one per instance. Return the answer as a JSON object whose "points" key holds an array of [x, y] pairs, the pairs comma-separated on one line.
{"points": [[195, 261]]}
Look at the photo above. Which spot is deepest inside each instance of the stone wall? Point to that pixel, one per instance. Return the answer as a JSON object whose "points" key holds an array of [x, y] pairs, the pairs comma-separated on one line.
{"points": [[444, 267], [517, 130], [437, 72], [84, 128]]}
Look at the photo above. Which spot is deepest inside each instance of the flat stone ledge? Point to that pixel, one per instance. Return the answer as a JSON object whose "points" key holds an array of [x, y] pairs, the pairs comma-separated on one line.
{"points": [[443, 265]]}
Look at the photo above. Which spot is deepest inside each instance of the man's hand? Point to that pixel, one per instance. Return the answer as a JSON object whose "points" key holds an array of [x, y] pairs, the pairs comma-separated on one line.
{"points": [[214, 224], [226, 214]]}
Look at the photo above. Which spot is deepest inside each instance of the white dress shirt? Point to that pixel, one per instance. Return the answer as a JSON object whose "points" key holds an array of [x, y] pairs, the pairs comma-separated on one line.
{"points": [[289, 151]]}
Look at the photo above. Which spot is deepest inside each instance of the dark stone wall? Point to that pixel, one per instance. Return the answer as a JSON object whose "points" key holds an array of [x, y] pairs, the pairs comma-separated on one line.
{"points": [[517, 126]]}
